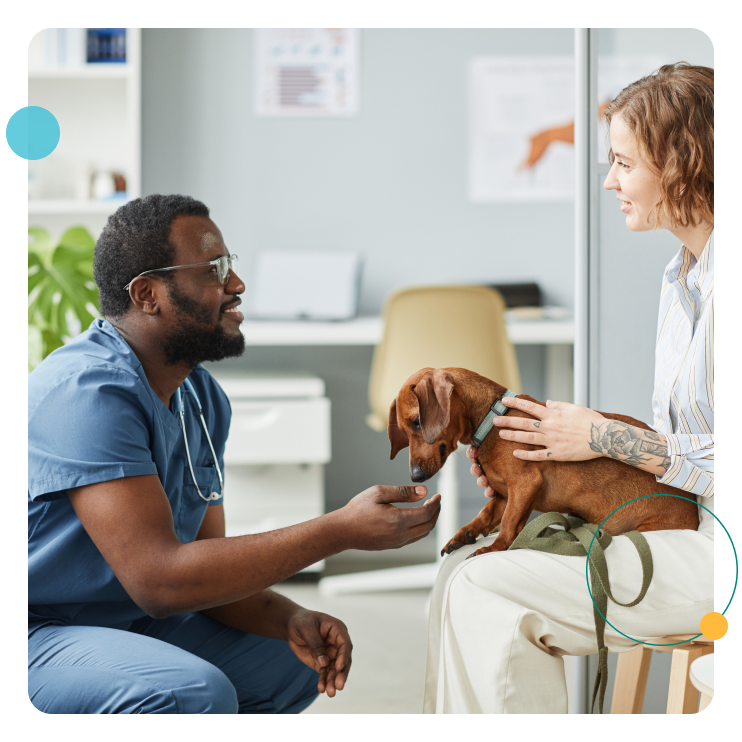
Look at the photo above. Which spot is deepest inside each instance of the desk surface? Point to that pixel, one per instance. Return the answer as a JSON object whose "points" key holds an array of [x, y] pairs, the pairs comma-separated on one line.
{"points": [[368, 331]]}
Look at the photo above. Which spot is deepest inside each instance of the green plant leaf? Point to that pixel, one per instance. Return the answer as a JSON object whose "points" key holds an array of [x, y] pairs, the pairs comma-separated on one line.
{"points": [[40, 241], [60, 283], [60, 318], [50, 341], [36, 278], [34, 347], [78, 238], [41, 307]]}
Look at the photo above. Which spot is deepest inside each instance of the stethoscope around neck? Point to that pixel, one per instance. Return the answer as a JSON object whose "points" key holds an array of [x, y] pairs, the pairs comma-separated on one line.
{"points": [[180, 409]]}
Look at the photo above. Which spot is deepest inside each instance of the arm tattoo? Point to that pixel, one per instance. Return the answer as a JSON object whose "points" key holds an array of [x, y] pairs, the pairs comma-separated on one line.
{"points": [[624, 442]]}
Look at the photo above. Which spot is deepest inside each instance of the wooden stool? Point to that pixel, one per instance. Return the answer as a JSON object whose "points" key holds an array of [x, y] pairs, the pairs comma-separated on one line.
{"points": [[633, 669]]}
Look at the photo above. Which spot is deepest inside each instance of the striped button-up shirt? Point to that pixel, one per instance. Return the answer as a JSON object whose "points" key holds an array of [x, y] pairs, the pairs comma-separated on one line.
{"points": [[683, 400]]}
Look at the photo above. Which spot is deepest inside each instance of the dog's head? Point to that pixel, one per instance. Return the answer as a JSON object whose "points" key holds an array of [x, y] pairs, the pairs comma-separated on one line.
{"points": [[428, 417]]}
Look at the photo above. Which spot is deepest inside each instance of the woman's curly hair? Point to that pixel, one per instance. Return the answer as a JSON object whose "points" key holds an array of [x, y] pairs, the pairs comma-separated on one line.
{"points": [[671, 114]]}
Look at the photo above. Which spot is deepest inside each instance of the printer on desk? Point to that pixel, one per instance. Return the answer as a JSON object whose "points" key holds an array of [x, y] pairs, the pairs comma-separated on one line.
{"points": [[279, 441]]}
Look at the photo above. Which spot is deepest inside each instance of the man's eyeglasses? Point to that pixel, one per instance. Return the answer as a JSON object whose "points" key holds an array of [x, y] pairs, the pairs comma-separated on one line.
{"points": [[223, 265]]}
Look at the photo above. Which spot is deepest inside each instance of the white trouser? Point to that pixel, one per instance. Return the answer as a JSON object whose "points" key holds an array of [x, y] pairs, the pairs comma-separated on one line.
{"points": [[501, 623]]}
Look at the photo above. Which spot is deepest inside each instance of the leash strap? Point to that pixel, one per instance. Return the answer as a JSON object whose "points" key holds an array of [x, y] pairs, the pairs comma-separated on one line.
{"points": [[575, 540], [498, 409]]}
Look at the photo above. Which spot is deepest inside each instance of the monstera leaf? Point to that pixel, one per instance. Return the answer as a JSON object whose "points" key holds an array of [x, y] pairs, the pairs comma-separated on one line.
{"points": [[62, 296]]}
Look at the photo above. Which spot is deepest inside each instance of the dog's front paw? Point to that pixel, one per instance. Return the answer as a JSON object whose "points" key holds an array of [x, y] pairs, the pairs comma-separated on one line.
{"points": [[466, 535], [483, 550], [498, 545]]}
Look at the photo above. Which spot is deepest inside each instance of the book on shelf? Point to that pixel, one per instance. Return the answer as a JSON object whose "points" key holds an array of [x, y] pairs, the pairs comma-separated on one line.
{"points": [[106, 45], [55, 48]]}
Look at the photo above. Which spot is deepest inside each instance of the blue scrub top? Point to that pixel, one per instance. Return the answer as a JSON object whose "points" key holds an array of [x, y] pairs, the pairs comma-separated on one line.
{"points": [[93, 417]]}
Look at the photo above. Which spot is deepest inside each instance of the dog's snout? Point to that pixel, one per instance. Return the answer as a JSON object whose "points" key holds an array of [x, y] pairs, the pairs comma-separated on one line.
{"points": [[418, 474]]}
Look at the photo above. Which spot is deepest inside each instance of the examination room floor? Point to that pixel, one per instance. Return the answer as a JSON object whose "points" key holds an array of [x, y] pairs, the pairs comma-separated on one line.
{"points": [[389, 633]]}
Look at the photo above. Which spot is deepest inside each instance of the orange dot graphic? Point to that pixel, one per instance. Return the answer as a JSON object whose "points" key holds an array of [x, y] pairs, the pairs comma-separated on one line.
{"points": [[714, 626]]}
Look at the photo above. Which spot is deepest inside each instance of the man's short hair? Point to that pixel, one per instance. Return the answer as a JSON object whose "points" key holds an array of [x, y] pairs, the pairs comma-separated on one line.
{"points": [[136, 238]]}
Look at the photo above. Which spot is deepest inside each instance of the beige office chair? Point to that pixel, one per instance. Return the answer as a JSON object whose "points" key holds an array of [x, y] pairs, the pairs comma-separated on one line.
{"points": [[440, 326]]}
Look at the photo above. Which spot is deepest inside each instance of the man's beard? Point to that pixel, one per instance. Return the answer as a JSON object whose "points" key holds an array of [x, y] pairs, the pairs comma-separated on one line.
{"points": [[196, 339]]}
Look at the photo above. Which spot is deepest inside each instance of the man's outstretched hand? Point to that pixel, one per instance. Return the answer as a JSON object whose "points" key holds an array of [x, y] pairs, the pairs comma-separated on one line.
{"points": [[323, 643], [372, 523]]}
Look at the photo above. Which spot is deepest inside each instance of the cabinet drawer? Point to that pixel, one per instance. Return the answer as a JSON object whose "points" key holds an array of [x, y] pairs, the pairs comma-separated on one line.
{"points": [[264, 498], [279, 432], [253, 493]]}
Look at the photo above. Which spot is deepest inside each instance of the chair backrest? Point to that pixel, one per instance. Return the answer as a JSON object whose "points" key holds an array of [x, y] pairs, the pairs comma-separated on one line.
{"points": [[440, 326]]}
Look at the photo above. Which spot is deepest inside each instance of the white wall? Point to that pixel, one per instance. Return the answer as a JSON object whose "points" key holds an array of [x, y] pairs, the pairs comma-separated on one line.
{"points": [[390, 184]]}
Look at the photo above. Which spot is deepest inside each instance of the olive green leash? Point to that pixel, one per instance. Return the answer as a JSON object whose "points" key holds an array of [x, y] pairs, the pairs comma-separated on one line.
{"points": [[575, 540]]}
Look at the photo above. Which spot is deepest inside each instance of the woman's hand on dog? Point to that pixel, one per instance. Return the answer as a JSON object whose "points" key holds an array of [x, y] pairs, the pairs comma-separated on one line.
{"points": [[563, 430], [372, 523]]}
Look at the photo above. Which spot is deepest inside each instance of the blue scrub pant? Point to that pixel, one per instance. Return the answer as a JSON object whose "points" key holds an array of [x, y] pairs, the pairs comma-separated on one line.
{"points": [[185, 664]]}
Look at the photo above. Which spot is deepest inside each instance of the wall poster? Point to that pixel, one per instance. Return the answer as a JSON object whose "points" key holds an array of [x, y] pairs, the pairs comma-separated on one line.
{"points": [[307, 71]]}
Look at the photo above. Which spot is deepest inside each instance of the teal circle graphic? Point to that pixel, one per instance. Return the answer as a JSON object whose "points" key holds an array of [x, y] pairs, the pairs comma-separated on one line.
{"points": [[32, 133], [587, 564]]}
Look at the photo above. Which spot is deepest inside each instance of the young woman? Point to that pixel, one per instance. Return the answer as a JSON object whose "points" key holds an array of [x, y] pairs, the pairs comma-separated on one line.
{"points": [[500, 623]]}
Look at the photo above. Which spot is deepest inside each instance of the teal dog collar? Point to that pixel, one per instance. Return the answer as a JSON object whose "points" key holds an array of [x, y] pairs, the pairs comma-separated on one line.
{"points": [[498, 409]]}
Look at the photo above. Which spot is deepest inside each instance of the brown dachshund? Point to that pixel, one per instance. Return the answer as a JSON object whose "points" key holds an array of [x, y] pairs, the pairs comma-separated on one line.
{"points": [[438, 408]]}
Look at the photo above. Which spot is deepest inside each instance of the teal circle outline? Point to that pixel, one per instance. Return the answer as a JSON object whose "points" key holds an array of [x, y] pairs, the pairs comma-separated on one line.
{"points": [[47, 133], [587, 565]]}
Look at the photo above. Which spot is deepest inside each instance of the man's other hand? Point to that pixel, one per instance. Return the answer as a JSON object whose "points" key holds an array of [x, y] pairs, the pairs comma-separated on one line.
{"points": [[372, 523], [323, 643]]}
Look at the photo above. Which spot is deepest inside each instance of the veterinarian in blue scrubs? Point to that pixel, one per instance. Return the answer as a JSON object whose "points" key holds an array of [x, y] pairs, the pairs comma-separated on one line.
{"points": [[500, 623], [92, 416], [138, 603]]}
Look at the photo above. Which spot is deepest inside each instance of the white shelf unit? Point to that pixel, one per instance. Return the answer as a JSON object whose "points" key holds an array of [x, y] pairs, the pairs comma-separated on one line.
{"points": [[98, 106], [94, 71], [72, 206]]}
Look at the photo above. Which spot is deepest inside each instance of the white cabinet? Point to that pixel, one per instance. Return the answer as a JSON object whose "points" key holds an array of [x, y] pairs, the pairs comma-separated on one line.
{"points": [[274, 459]]}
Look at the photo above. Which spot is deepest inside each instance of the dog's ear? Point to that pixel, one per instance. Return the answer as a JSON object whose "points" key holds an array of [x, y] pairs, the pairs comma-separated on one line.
{"points": [[433, 394], [397, 436]]}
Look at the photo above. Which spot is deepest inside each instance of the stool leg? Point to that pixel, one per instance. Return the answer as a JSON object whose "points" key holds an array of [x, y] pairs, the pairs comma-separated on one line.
{"points": [[631, 681], [682, 697]]}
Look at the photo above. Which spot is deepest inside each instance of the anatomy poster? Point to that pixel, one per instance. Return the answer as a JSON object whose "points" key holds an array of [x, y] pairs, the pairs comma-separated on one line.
{"points": [[512, 99], [521, 123], [306, 71]]}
